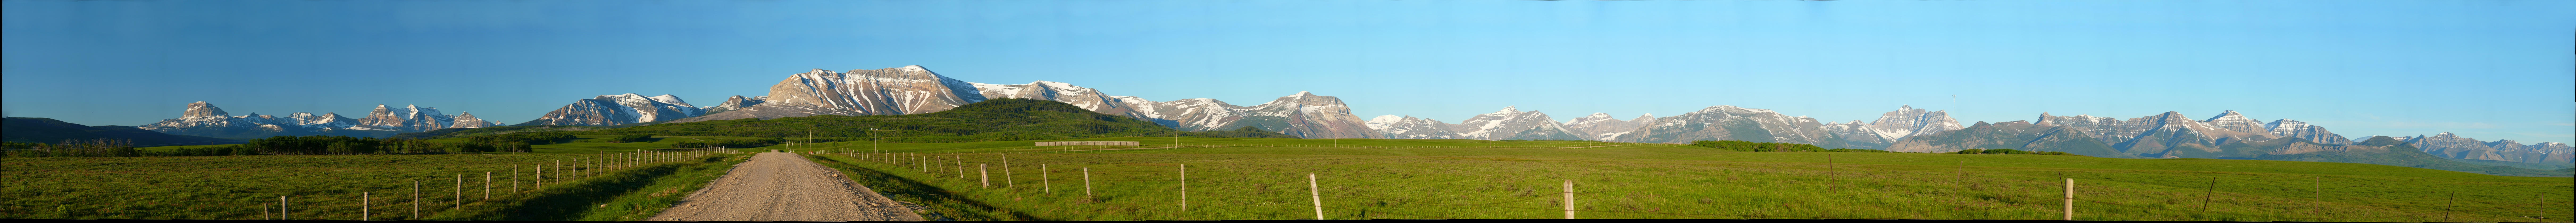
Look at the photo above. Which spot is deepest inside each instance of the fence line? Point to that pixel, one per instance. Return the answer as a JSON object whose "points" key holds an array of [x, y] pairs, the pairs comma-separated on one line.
{"points": [[1256, 188]]}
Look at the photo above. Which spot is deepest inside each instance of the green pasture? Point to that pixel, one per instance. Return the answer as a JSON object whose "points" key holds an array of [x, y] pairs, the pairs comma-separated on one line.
{"points": [[333, 187], [1265, 178]]}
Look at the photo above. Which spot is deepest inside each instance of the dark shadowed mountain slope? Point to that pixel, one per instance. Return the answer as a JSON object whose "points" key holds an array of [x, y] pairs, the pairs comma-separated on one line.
{"points": [[46, 130]]}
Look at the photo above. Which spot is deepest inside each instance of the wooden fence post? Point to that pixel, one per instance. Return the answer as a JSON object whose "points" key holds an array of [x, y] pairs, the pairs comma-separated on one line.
{"points": [[961, 165], [460, 192], [2213, 192], [1046, 179], [1008, 180], [1314, 193], [1569, 199], [1086, 181], [487, 185], [1185, 188], [984, 174], [2446, 207], [541, 178], [2070, 199], [362, 205], [281, 208], [514, 178], [415, 200]]}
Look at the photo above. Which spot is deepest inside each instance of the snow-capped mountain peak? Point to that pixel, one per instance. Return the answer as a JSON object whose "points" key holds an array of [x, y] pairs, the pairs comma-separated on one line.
{"points": [[1511, 123], [204, 119], [202, 109], [1382, 121], [2232, 121], [620, 109], [1908, 121]]}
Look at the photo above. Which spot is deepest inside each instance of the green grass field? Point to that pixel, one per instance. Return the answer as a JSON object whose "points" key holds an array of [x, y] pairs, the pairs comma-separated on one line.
{"points": [[1260, 178], [1265, 178], [330, 186]]}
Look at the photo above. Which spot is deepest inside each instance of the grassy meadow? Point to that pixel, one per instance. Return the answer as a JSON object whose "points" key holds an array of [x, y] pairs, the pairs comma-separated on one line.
{"points": [[330, 187], [1265, 178]]}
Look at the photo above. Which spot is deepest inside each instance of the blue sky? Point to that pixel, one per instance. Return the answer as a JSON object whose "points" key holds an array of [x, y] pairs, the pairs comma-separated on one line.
{"points": [[2484, 69]]}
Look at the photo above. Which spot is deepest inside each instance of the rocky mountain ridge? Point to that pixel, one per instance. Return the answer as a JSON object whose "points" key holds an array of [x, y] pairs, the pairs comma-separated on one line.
{"points": [[204, 119], [619, 110], [915, 90]]}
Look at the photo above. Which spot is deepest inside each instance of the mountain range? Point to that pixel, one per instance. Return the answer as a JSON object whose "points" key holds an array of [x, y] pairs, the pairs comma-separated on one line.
{"points": [[917, 90], [619, 110], [46, 130], [204, 119]]}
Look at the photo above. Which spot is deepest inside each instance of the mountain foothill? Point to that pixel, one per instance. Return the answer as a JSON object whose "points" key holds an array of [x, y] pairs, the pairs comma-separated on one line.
{"points": [[916, 90]]}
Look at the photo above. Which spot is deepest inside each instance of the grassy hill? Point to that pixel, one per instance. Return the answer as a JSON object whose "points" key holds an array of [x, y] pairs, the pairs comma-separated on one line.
{"points": [[46, 130], [1262, 178]]}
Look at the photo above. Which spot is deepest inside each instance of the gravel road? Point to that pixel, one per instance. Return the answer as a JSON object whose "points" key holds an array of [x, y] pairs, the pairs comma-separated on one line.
{"points": [[785, 187]]}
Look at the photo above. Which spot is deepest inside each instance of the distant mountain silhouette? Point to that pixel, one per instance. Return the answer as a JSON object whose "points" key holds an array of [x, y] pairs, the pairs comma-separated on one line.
{"points": [[46, 130]]}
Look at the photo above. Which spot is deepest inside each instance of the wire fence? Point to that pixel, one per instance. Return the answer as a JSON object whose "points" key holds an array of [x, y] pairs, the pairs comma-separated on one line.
{"points": [[436, 195], [1264, 191]]}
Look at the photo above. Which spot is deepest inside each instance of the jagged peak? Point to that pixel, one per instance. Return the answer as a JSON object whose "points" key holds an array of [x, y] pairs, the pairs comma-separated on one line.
{"points": [[2444, 134], [1052, 84], [1737, 108], [2227, 114], [914, 67], [1510, 109]]}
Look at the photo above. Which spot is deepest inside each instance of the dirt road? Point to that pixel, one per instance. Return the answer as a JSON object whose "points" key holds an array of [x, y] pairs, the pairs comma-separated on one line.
{"points": [[785, 187]]}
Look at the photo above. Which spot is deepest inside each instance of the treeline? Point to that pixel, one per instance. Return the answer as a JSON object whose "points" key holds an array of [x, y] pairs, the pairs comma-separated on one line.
{"points": [[729, 143], [2012, 151], [71, 148], [1774, 147]]}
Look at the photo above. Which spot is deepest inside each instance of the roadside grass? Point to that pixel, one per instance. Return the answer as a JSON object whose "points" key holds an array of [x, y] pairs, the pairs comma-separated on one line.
{"points": [[320, 187], [1521, 180], [631, 194]]}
